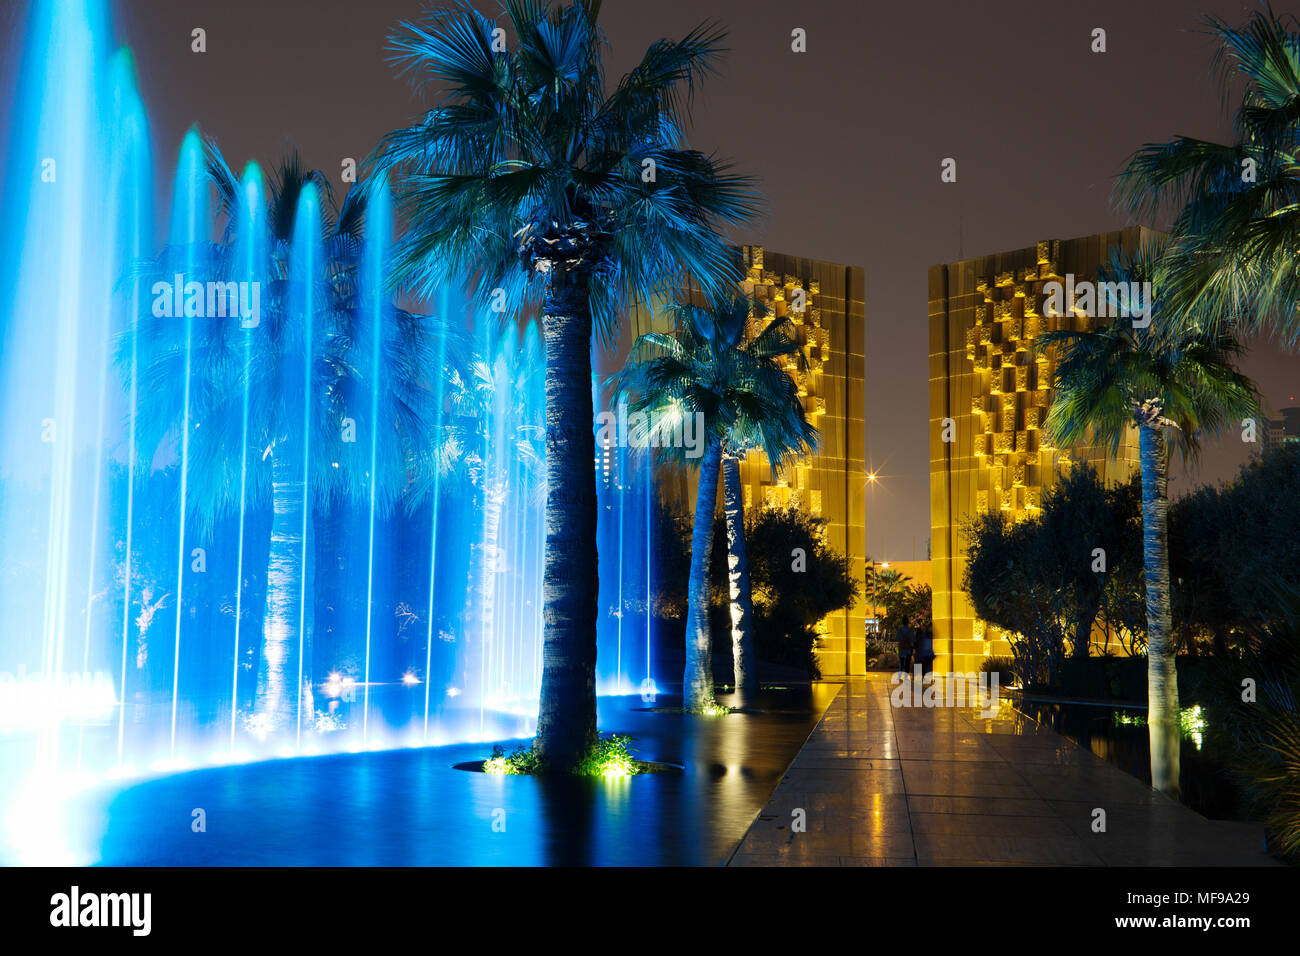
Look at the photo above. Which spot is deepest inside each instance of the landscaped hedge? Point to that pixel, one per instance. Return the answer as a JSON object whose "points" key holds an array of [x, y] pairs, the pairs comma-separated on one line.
{"points": [[1121, 678]]}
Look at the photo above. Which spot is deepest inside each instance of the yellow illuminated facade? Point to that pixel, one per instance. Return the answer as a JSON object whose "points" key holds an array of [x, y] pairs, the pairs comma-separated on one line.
{"points": [[832, 483], [989, 394], [825, 301]]}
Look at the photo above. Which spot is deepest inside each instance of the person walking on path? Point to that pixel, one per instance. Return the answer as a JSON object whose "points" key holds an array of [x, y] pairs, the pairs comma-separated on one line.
{"points": [[906, 646], [925, 651]]}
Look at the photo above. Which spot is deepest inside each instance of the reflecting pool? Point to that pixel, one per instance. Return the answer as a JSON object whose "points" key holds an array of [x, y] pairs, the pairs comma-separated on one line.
{"points": [[410, 807]]}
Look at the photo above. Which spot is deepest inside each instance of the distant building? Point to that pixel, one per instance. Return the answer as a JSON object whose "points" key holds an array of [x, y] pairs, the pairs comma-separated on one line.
{"points": [[1281, 431], [989, 394], [832, 483]]}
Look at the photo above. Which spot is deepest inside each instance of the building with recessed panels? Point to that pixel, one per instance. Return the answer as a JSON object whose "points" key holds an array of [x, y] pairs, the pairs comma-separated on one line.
{"points": [[826, 302], [989, 394]]}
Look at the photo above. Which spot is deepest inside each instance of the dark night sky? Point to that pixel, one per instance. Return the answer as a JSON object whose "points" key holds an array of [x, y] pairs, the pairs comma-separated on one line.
{"points": [[846, 140]]}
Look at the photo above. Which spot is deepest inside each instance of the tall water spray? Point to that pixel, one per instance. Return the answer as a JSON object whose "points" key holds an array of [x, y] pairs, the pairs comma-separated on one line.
{"points": [[249, 506]]}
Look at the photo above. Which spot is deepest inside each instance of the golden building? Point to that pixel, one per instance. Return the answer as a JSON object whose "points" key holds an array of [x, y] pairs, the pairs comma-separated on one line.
{"points": [[989, 394], [832, 483], [826, 304]]}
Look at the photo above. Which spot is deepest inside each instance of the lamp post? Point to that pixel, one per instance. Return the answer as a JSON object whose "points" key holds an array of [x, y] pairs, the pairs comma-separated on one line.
{"points": [[884, 566], [871, 563]]}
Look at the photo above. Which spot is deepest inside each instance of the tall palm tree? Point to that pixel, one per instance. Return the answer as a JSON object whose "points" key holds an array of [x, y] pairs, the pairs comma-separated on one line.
{"points": [[1172, 380], [528, 176], [260, 397], [710, 366], [1235, 206]]}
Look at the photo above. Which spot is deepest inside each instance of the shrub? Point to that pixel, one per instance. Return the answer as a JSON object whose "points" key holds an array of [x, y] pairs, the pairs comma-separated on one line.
{"points": [[608, 757], [1263, 734], [1004, 667]]}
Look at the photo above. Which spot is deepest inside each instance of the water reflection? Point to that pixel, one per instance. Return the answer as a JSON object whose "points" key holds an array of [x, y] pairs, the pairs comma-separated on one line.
{"points": [[410, 807], [1119, 736]]}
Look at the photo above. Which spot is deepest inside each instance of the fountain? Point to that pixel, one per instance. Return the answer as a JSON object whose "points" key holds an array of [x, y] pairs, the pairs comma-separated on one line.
{"points": [[253, 507]]}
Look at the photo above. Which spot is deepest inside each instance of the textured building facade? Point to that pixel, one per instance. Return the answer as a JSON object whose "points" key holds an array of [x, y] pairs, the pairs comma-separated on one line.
{"points": [[989, 394], [832, 483]]}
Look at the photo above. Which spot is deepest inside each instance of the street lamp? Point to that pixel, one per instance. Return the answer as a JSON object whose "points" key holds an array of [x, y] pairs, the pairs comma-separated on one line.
{"points": [[884, 566], [871, 481]]}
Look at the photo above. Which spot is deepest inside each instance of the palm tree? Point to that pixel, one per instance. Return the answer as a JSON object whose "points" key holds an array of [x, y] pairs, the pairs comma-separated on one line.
{"points": [[268, 405], [1173, 380], [1235, 235], [710, 367], [888, 587], [529, 176]]}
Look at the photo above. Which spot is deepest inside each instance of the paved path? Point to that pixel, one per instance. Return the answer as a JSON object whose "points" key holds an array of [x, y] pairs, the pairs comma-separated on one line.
{"points": [[907, 786]]}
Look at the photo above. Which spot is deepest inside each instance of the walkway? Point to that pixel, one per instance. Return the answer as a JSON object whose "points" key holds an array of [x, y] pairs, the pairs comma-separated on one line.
{"points": [[906, 786]]}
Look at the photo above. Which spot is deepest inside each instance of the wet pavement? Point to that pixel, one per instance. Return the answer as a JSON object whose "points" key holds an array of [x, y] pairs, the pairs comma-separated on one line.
{"points": [[880, 785]]}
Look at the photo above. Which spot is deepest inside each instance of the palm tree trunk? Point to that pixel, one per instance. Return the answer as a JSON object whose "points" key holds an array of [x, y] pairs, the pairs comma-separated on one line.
{"points": [[566, 718], [742, 601], [278, 691], [697, 683], [1162, 675]]}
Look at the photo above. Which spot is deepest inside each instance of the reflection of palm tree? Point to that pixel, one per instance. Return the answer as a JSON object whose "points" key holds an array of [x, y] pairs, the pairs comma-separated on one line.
{"points": [[299, 381], [1172, 381], [529, 169], [710, 366]]}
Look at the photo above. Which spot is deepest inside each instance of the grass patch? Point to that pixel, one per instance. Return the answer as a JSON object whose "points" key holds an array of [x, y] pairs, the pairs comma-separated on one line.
{"points": [[711, 709], [608, 757]]}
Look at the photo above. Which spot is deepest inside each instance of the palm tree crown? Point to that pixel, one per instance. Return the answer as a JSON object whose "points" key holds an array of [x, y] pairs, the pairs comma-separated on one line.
{"points": [[527, 163], [709, 364], [267, 360], [1235, 206], [1172, 375]]}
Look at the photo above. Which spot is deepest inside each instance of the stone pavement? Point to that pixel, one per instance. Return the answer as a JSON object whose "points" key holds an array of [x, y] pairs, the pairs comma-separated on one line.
{"points": [[944, 786]]}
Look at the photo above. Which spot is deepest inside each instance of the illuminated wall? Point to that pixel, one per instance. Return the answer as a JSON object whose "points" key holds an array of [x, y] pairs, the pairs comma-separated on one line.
{"points": [[985, 314], [832, 483]]}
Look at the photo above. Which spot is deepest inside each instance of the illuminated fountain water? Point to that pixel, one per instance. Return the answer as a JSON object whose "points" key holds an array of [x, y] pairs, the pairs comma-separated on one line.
{"points": [[279, 517], [70, 222]]}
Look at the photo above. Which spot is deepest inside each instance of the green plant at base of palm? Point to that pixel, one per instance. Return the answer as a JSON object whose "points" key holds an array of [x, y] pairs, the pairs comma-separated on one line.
{"points": [[529, 179], [1172, 380], [711, 366], [710, 709], [607, 757]]}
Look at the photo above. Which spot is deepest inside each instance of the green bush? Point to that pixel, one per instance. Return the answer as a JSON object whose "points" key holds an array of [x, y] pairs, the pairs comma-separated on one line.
{"points": [[1260, 736], [788, 602], [1123, 678], [1004, 667], [608, 757]]}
